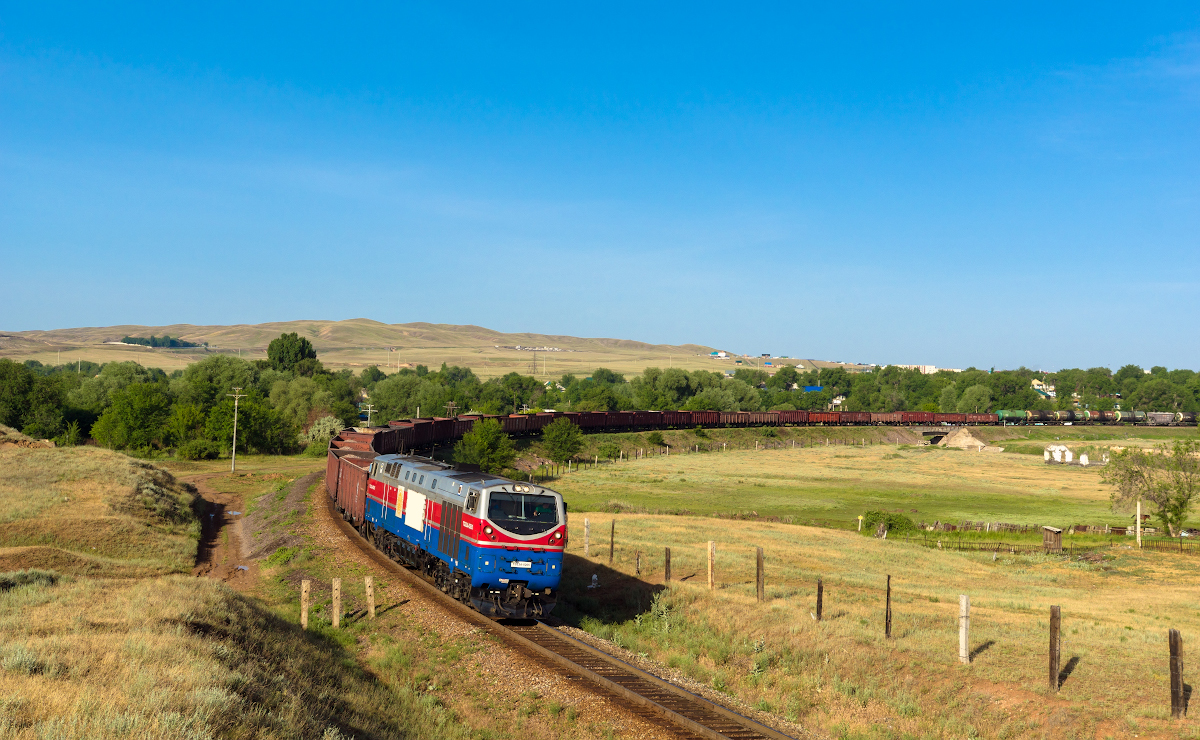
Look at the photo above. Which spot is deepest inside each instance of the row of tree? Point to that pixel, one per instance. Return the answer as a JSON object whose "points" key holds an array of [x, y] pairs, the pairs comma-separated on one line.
{"points": [[884, 389], [125, 405]]}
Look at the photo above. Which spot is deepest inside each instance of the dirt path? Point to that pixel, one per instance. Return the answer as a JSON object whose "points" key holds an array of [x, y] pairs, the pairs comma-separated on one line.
{"points": [[223, 553]]}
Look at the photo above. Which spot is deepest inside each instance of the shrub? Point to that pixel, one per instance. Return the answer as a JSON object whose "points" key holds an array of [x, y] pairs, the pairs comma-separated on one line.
{"points": [[316, 449], [609, 450], [323, 430], [895, 522], [15, 578], [701, 433], [656, 439], [198, 449]]}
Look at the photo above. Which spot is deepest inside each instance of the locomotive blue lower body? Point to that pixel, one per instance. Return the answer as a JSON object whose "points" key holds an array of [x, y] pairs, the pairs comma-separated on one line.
{"points": [[495, 580]]}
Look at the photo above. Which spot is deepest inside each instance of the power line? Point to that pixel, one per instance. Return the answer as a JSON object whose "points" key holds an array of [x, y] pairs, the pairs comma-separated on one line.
{"points": [[236, 397]]}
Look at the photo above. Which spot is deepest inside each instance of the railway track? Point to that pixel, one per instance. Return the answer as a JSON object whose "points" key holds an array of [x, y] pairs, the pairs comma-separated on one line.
{"points": [[647, 695]]}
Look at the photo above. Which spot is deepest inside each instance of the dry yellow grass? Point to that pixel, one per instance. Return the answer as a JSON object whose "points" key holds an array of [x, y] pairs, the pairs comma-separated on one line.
{"points": [[178, 657]]}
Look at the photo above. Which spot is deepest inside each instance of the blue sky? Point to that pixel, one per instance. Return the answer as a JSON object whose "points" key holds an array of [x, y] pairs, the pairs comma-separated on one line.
{"points": [[941, 185]]}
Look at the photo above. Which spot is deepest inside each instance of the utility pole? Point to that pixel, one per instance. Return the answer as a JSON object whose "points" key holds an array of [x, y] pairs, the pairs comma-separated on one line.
{"points": [[370, 409], [450, 409], [236, 397]]}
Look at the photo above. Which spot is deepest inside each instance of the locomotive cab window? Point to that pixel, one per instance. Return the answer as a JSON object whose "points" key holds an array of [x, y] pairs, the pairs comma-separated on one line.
{"points": [[522, 513]]}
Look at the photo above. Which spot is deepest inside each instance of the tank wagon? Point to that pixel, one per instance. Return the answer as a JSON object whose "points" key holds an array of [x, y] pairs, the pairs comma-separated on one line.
{"points": [[490, 542]]}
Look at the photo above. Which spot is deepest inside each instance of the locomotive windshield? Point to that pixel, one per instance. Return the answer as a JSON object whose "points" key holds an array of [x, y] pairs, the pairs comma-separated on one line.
{"points": [[522, 513]]}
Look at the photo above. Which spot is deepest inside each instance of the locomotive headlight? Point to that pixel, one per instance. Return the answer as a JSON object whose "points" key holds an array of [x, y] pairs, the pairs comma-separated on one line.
{"points": [[487, 530], [558, 535]]}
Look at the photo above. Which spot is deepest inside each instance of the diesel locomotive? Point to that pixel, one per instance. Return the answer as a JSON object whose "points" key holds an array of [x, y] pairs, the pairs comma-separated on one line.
{"points": [[490, 542]]}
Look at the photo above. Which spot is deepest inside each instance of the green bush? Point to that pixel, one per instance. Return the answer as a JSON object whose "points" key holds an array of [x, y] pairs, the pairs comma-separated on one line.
{"points": [[198, 449], [12, 579], [316, 449], [701, 432], [897, 523], [655, 439], [609, 450]]}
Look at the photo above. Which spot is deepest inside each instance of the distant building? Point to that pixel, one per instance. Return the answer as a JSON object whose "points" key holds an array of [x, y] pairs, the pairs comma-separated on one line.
{"points": [[929, 369]]}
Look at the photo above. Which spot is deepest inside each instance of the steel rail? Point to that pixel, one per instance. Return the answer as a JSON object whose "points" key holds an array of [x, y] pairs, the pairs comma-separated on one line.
{"points": [[695, 715]]}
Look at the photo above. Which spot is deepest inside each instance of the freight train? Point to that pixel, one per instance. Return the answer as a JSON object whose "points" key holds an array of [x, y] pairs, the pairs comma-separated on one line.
{"points": [[489, 542], [417, 434]]}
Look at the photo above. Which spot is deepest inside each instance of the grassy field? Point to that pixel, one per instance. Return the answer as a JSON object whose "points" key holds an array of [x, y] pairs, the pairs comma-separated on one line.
{"points": [[833, 485], [843, 677]]}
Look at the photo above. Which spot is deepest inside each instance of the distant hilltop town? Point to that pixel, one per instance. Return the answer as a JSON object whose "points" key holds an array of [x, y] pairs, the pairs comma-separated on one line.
{"points": [[519, 348]]}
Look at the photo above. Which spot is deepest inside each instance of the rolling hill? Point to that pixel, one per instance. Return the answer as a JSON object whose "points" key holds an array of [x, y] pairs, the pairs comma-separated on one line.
{"points": [[357, 343]]}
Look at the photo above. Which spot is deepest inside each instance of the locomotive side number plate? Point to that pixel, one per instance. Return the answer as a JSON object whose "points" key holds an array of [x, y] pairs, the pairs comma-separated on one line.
{"points": [[522, 564]]}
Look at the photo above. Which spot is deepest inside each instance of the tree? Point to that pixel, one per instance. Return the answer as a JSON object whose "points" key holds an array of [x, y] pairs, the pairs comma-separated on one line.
{"points": [[487, 446], [563, 440], [186, 423], [136, 419], [288, 350], [975, 400], [1167, 477], [948, 401]]}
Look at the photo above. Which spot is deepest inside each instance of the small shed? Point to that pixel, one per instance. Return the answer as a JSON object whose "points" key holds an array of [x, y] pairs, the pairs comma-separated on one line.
{"points": [[1052, 539]]}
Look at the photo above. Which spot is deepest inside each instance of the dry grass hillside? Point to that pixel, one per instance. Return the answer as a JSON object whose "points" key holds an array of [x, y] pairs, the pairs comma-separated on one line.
{"points": [[360, 342], [101, 637]]}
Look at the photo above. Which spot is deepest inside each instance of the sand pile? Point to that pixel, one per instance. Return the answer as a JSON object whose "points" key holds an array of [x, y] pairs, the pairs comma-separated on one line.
{"points": [[963, 439]]}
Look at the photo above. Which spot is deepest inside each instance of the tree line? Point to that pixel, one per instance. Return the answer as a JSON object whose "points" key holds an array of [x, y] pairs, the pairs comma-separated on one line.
{"points": [[292, 399]]}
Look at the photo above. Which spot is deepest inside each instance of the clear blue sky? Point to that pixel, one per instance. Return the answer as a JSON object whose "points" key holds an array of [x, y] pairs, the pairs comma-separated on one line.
{"points": [[942, 185]]}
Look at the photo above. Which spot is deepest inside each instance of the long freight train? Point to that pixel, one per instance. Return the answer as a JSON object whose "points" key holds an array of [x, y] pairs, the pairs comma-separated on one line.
{"points": [[416, 434], [493, 543]]}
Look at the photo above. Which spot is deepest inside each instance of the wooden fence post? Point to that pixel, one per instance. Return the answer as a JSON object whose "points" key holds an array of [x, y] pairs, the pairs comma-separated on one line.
{"points": [[887, 624], [1055, 646], [337, 602], [1138, 523], [667, 566], [587, 534], [369, 582], [712, 556], [820, 597], [760, 582], [612, 538], [1177, 698], [964, 629], [637, 568], [304, 589]]}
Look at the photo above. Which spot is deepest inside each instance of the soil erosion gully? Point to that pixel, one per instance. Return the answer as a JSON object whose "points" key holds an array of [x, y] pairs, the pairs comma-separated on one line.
{"points": [[646, 694]]}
